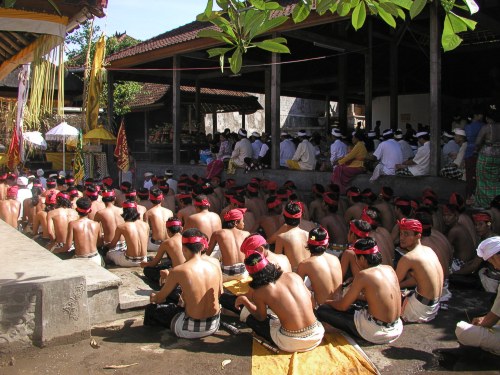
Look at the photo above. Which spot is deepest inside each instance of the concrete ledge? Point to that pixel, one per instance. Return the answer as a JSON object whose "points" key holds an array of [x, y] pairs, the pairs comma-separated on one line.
{"points": [[133, 292]]}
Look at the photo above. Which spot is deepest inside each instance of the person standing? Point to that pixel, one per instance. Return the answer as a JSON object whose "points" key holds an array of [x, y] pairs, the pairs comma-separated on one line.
{"points": [[472, 130], [305, 155]]}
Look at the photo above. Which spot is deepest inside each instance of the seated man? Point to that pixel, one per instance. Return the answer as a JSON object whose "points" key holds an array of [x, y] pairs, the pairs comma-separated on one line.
{"points": [[255, 242], [201, 284], [229, 239], [304, 158], [419, 268], [136, 234], [321, 272], [294, 328], [379, 323], [156, 217], [348, 261], [10, 208], [484, 331]]}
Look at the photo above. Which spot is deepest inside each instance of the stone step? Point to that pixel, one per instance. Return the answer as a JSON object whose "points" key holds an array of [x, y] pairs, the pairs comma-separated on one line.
{"points": [[133, 292]]}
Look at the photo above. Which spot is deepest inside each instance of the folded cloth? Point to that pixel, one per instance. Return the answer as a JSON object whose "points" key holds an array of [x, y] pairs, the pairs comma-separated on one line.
{"points": [[238, 287]]}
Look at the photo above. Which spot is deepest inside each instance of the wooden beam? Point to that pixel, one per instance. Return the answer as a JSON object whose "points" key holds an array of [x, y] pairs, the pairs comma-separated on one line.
{"points": [[6, 38], [197, 103], [308, 36], [310, 82], [6, 48], [267, 102], [394, 84], [435, 88], [214, 122], [20, 37], [369, 76], [275, 108], [176, 109]]}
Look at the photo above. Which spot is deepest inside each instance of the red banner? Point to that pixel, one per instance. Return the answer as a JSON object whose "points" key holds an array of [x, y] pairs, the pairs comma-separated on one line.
{"points": [[13, 155], [121, 150]]}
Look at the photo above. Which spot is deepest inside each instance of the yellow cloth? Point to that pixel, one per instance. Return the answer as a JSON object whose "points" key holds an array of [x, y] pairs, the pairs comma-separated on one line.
{"points": [[334, 356], [3, 159], [355, 158], [292, 164], [238, 287], [56, 158]]}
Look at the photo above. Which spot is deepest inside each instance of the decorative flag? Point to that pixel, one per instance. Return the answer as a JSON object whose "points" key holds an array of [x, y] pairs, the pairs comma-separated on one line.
{"points": [[121, 150], [79, 164], [13, 156], [95, 84], [22, 98]]}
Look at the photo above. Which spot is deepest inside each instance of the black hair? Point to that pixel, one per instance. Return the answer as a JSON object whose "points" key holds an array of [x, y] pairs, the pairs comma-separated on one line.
{"points": [[84, 203], [199, 198], [70, 184], [334, 188], [318, 190], [334, 207], [92, 190], [275, 210], [125, 186], [50, 181], [355, 198], [164, 187], [253, 193], [197, 189], [155, 192], [426, 137], [132, 198], [228, 224], [36, 191], [319, 234], [175, 228], [63, 202], [362, 226], [365, 244], [143, 193], [60, 181], [240, 199], [130, 214], [269, 274], [374, 214], [108, 199], [368, 196], [193, 247], [292, 208], [425, 219], [187, 200], [406, 209], [207, 188]]}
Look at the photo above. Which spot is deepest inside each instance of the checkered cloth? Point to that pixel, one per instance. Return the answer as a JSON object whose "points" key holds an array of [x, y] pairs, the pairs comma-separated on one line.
{"points": [[235, 269], [451, 171], [200, 325], [488, 176], [404, 172]]}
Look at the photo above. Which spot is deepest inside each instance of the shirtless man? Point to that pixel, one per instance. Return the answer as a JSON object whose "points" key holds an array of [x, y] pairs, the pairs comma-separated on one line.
{"points": [[332, 221], [136, 233], [386, 209], [255, 242], [356, 204], [419, 268], [109, 218], [463, 218], [348, 261], [229, 240], [10, 208], [292, 240], [57, 222], [51, 187], [143, 195], [125, 187], [157, 269], [40, 220], [74, 194], [321, 272], [381, 235], [273, 220], [254, 203], [3, 186], [287, 296], [201, 284], [156, 217], [131, 196], [186, 207], [92, 193], [168, 196], [207, 222], [403, 209], [460, 239], [376, 284], [238, 201], [317, 209], [84, 233]]}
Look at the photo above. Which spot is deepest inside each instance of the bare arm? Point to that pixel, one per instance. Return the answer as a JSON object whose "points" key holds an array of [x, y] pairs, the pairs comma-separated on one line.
{"points": [[258, 308], [211, 244], [69, 238], [402, 271], [116, 238], [159, 255], [50, 227], [278, 247], [36, 224], [488, 321], [350, 297], [167, 288]]}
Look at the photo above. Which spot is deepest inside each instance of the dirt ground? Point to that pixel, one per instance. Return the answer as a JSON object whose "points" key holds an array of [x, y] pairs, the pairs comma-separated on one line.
{"points": [[422, 348]]}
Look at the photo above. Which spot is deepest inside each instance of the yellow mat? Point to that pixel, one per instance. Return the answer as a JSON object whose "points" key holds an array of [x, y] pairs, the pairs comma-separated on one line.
{"points": [[334, 356], [238, 287]]}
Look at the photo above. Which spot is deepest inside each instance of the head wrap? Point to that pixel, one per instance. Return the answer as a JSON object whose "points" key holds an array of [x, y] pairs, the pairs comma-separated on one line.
{"points": [[108, 194], [202, 203], [421, 134], [366, 217], [131, 194], [460, 132], [173, 223], [387, 132], [272, 185], [230, 182], [402, 202], [69, 180], [481, 216], [83, 210], [274, 203], [298, 215], [488, 247], [50, 199], [255, 134], [63, 195], [251, 243], [22, 181], [352, 193], [234, 214], [153, 198], [124, 188], [373, 250], [39, 172], [88, 183], [398, 134], [259, 266], [329, 200], [313, 242], [336, 133], [410, 224], [302, 133], [183, 196], [129, 205], [108, 181], [252, 189], [12, 191], [242, 132], [189, 240], [91, 193], [358, 232], [233, 200], [447, 135]]}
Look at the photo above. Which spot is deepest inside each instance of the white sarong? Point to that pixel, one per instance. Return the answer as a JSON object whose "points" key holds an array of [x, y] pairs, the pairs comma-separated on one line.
{"points": [[415, 311], [368, 328], [485, 338], [297, 341]]}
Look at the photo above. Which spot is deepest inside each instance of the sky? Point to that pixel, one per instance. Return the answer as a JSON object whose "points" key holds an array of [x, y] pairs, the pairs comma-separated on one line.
{"points": [[145, 19]]}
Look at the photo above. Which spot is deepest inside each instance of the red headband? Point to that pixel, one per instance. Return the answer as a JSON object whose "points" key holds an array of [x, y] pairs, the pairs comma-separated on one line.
{"points": [[91, 194], [37, 185], [298, 215], [373, 250], [131, 194], [123, 187], [312, 241], [107, 194], [410, 224], [447, 210], [52, 183], [366, 217], [63, 195], [252, 189], [427, 202], [12, 191], [251, 243], [129, 205], [328, 200], [272, 185], [202, 203], [351, 193], [259, 266], [401, 202], [153, 198], [69, 180], [358, 232], [88, 183], [183, 196], [273, 204], [233, 200], [83, 210], [234, 214], [481, 217], [202, 240], [174, 223]]}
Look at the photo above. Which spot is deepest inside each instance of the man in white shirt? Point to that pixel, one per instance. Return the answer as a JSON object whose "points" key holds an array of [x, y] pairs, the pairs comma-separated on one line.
{"points": [[450, 149], [287, 149], [256, 145], [404, 145], [304, 158], [172, 183], [148, 183], [23, 193], [388, 153], [338, 149], [456, 169], [42, 179], [242, 150], [420, 164]]}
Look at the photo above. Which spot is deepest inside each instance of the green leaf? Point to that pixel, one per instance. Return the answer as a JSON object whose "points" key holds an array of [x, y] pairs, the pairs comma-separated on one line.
{"points": [[208, 10], [218, 51], [224, 25], [388, 18], [401, 14], [300, 12], [469, 24], [333, 7], [221, 63], [405, 4], [252, 20], [456, 23], [322, 6], [344, 9], [359, 16], [450, 41], [417, 7], [271, 46], [270, 24], [235, 61], [217, 35], [272, 6], [223, 4], [258, 4], [390, 8]]}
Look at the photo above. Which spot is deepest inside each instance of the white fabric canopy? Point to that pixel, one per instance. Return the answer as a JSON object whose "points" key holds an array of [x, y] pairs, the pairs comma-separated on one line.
{"points": [[36, 139], [62, 132]]}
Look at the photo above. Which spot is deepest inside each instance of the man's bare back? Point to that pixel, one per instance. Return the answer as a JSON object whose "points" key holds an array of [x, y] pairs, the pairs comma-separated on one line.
{"points": [[110, 217], [136, 234], [229, 241], [9, 211], [207, 222], [84, 233], [336, 227], [157, 216], [57, 221], [292, 242]]}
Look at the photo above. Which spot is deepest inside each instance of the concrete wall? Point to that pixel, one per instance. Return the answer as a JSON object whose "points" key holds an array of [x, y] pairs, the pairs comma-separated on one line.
{"points": [[412, 109]]}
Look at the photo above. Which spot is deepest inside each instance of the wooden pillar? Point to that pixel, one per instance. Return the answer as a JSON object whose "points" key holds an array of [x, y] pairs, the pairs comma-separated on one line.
{"points": [[214, 122], [111, 102], [328, 128], [146, 127], [394, 91], [275, 109], [190, 118], [435, 88], [243, 120], [197, 110], [176, 110], [267, 102], [369, 76]]}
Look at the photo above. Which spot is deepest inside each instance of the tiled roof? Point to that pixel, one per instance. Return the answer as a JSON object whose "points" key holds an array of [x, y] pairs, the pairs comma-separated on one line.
{"points": [[183, 34]]}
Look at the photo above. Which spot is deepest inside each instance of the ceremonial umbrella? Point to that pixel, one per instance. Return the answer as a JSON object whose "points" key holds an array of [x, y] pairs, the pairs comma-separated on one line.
{"points": [[99, 135], [62, 132], [36, 139]]}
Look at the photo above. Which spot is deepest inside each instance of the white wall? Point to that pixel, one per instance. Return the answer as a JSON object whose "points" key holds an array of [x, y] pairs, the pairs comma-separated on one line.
{"points": [[413, 109]]}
